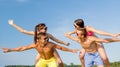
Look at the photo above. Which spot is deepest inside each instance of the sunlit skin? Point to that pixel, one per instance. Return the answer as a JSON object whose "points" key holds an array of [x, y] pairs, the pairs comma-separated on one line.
{"points": [[43, 30], [43, 46], [100, 47], [89, 42]]}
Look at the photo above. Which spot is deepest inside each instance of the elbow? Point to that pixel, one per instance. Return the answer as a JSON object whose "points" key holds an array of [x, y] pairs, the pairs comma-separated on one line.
{"points": [[23, 31], [21, 49]]}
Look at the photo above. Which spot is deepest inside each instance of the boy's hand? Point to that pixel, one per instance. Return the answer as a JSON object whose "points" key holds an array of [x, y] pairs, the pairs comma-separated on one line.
{"points": [[75, 50], [5, 50], [67, 44]]}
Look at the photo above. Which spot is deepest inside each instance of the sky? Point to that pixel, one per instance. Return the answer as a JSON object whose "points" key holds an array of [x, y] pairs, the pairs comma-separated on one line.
{"points": [[59, 16]]}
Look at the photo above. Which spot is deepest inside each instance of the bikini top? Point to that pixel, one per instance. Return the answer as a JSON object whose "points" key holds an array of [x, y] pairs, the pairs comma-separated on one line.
{"points": [[89, 33]]}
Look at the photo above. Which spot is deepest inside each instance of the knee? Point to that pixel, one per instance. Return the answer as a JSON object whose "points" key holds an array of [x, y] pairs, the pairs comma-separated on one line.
{"points": [[59, 61], [105, 59], [81, 56]]}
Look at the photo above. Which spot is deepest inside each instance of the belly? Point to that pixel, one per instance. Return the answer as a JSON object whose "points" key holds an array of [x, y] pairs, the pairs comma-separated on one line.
{"points": [[90, 48], [46, 56], [46, 53]]}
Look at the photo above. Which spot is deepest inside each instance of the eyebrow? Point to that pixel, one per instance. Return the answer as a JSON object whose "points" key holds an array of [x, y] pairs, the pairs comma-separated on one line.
{"points": [[46, 38]]}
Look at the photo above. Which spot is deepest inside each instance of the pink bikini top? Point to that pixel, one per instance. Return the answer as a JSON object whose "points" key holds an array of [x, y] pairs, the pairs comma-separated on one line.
{"points": [[89, 33]]}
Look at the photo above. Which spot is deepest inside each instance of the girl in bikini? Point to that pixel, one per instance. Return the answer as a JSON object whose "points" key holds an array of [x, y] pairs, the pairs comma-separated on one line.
{"points": [[41, 28], [79, 24]]}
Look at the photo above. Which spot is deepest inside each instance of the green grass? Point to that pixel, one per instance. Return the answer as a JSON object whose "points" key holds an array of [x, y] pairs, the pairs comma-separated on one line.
{"points": [[113, 64]]}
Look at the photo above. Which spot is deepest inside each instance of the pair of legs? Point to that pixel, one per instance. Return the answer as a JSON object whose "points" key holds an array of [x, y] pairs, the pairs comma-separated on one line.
{"points": [[102, 53], [56, 55], [93, 58]]}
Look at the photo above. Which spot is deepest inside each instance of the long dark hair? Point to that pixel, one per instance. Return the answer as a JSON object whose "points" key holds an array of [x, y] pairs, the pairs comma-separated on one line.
{"points": [[37, 28], [80, 23]]}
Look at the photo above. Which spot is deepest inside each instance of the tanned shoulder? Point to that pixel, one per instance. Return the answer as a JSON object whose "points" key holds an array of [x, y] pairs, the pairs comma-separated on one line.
{"points": [[92, 38], [52, 44]]}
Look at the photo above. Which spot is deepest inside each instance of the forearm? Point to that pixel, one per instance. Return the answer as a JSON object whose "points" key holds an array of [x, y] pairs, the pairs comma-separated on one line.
{"points": [[61, 42], [106, 33], [16, 49], [17, 27], [107, 40], [56, 40], [22, 30], [99, 31], [66, 49], [68, 35]]}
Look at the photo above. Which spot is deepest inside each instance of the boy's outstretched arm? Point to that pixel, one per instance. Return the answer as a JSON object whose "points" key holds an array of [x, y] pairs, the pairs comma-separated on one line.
{"points": [[22, 48], [64, 48]]}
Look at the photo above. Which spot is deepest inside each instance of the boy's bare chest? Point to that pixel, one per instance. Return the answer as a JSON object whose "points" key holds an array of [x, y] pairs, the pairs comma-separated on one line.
{"points": [[45, 49], [87, 44]]}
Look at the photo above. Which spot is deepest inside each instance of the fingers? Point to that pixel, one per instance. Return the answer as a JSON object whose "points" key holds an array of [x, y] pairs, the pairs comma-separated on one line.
{"points": [[67, 44], [75, 50], [117, 35], [5, 50]]}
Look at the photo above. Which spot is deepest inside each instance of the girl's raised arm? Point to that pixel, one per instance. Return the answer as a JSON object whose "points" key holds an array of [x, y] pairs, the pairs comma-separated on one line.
{"points": [[11, 22]]}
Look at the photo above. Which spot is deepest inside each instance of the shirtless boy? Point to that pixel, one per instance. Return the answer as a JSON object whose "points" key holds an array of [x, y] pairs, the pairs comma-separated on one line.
{"points": [[89, 44], [44, 48]]}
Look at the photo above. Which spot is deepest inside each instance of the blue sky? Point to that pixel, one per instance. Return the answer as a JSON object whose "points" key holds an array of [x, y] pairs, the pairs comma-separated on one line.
{"points": [[59, 16]]}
